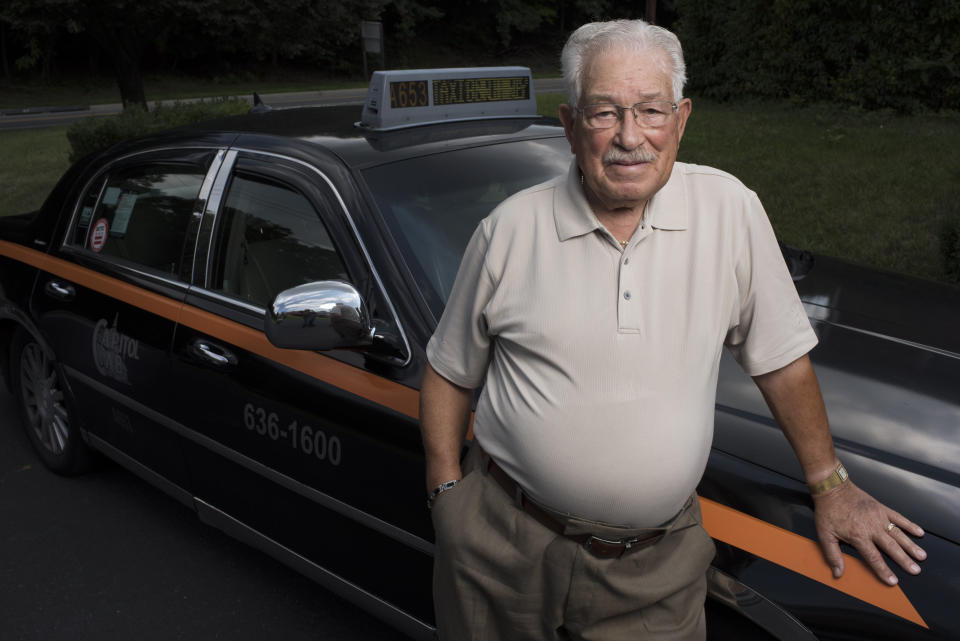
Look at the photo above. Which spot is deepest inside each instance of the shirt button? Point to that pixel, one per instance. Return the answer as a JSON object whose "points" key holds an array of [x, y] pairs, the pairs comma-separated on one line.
{"points": [[626, 295], [626, 261]]}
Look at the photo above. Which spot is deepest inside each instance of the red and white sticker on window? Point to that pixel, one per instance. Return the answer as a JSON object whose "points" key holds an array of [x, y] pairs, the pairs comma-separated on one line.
{"points": [[98, 235]]}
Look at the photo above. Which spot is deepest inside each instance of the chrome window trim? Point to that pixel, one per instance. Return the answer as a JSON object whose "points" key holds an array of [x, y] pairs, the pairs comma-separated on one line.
{"points": [[76, 205], [211, 174], [70, 248], [209, 223], [353, 228], [129, 269], [203, 199], [229, 300], [314, 495]]}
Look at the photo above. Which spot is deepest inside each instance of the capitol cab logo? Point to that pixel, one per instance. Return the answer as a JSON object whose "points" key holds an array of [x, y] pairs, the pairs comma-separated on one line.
{"points": [[112, 349]]}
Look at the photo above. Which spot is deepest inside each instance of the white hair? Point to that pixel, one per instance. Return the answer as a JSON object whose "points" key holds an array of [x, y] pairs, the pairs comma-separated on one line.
{"points": [[632, 35]]}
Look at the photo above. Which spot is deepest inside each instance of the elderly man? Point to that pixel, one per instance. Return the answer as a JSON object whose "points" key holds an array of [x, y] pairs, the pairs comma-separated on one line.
{"points": [[593, 309]]}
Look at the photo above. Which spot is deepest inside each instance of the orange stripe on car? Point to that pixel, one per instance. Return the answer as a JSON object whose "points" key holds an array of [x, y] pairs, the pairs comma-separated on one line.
{"points": [[375, 388], [803, 556], [395, 396], [765, 540]]}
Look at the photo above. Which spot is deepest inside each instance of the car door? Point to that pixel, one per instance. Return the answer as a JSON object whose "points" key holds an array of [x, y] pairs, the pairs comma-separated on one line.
{"points": [[110, 312], [296, 451]]}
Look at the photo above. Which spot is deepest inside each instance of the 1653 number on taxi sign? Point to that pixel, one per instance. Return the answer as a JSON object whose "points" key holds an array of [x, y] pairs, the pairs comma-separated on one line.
{"points": [[410, 93]]}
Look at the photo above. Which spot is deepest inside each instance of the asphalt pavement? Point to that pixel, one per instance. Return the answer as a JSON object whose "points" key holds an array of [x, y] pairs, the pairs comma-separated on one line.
{"points": [[38, 117], [105, 557]]}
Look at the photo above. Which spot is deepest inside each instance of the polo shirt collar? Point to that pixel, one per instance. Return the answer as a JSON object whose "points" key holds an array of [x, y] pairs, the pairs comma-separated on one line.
{"points": [[667, 208], [571, 211], [573, 216]]}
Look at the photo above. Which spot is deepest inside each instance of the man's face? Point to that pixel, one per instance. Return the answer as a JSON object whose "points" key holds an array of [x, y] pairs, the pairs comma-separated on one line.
{"points": [[614, 177]]}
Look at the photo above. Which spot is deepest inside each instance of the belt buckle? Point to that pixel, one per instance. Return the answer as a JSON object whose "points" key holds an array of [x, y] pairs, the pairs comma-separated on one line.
{"points": [[623, 544]]}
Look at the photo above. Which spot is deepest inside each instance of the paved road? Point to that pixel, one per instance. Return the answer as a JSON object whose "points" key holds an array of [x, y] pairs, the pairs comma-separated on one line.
{"points": [[107, 557], [38, 117]]}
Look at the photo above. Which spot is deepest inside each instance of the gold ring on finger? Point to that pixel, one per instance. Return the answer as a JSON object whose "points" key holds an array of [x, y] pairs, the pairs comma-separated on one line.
{"points": [[890, 526]]}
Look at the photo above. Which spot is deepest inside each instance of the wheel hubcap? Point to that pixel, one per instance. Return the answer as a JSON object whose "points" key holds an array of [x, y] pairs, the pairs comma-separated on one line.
{"points": [[43, 399]]}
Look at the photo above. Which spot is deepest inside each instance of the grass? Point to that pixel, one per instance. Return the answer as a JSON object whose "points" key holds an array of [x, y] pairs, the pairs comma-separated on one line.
{"points": [[30, 165], [872, 188]]}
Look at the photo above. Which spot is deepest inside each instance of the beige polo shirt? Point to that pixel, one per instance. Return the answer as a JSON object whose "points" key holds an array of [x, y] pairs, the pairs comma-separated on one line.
{"points": [[600, 366]]}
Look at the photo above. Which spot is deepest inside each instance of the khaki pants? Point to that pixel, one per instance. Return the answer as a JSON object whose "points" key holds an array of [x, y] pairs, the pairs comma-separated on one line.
{"points": [[501, 575]]}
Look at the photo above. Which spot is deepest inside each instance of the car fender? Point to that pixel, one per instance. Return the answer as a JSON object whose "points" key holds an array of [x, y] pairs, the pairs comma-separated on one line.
{"points": [[753, 606], [13, 317]]}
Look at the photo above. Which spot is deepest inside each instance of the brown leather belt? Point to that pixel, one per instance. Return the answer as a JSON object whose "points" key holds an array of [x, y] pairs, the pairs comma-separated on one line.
{"points": [[597, 546]]}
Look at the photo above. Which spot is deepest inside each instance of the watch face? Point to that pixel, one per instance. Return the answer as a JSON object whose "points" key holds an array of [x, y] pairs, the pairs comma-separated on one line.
{"points": [[842, 473]]}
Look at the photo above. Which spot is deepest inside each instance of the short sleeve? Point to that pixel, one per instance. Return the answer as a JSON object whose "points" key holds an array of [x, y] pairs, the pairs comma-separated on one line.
{"points": [[771, 328], [459, 349]]}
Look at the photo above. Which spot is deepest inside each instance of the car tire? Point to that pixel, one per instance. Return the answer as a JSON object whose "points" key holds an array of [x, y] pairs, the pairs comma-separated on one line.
{"points": [[45, 411]]}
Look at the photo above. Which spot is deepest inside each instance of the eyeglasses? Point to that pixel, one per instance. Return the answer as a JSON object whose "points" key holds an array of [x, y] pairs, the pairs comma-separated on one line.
{"points": [[651, 114]]}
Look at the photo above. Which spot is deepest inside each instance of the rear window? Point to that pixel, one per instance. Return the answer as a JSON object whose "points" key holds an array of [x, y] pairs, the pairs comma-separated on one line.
{"points": [[140, 215], [432, 204]]}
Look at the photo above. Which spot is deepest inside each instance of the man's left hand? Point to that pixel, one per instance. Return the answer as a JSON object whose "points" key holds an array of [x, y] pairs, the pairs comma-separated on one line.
{"points": [[849, 514], [845, 513]]}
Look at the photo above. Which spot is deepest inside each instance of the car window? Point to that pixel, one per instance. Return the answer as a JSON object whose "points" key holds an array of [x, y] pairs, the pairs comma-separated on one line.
{"points": [[270, 238], [432, 204], [140, 214]]}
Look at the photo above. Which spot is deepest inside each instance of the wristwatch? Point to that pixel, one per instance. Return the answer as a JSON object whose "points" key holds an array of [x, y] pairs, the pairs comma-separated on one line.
{"points": [[440, 489], [839, 477]]}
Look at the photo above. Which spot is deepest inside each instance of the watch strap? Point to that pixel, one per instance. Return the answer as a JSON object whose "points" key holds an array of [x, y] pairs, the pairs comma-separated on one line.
{"points": [[440, 489], [838, 478]]}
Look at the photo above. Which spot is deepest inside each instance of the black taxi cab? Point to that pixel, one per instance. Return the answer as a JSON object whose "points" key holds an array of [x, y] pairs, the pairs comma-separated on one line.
{"points": [[237, 311]]}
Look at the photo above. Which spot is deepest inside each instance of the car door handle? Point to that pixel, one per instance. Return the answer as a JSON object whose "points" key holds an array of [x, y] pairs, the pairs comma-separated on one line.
{"points": [[60, 291], [213, 353]]}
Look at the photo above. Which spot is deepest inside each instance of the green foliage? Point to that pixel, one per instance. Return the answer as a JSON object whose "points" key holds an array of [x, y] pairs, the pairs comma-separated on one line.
{"points": [[221, 33], [498, 31], [521, 16], [403, 16], [210, 37], [38, 24], [868, 53], [217, 38], [96, 133]]}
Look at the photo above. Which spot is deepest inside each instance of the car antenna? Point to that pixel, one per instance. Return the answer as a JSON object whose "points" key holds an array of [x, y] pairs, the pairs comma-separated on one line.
{"points": [[259, 106]]}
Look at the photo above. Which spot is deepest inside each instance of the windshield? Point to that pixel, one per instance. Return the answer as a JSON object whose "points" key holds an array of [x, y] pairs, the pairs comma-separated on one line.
{"points": [[432, 204]]}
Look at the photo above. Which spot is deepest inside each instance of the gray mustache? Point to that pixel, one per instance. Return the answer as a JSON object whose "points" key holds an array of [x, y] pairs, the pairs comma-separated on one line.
{"points": [[637, 155]]}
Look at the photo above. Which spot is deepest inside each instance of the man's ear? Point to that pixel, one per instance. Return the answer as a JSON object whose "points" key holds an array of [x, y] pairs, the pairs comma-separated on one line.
{"points": [[684, 108], [568, 118]]}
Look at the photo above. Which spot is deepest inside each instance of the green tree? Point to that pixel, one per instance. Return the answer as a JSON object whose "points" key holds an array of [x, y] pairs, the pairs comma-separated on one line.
{"points": [[122, 28], [315, 31], [38, 24], [222, 33], [406, 15], [868, 53]]}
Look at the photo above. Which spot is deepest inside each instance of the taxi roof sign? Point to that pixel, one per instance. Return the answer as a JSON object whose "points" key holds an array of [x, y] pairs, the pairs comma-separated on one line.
{"points": [[412, 97]]}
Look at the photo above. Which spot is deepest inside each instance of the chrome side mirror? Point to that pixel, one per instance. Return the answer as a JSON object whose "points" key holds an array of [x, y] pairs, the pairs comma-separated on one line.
{"points": [[328, 314]]}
